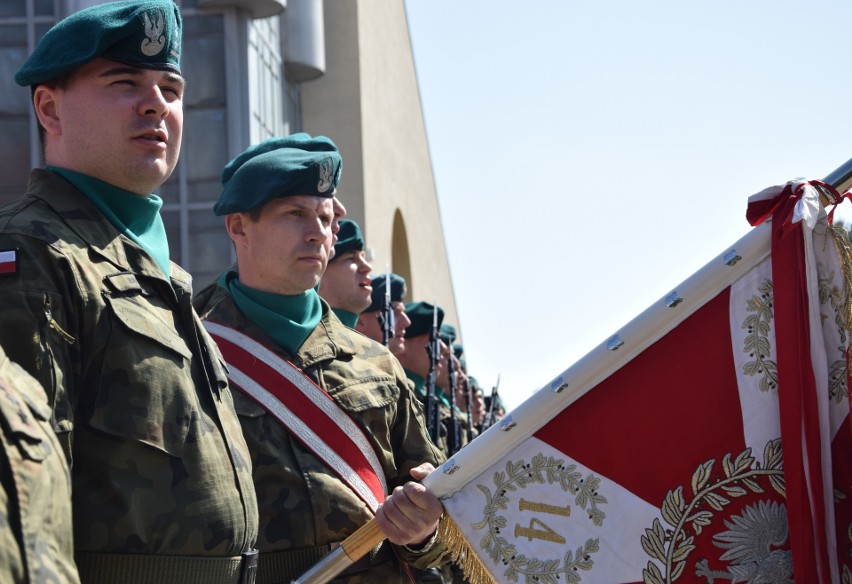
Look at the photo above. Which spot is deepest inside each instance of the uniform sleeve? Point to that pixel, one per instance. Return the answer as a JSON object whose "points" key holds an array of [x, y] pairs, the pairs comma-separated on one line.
{"points": [[37, 327], [414, 448], [412, 443], [35, 491]]}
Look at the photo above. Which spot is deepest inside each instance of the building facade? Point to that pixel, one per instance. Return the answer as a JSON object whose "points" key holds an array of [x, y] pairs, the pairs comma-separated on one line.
{"points": [[262, 68]]}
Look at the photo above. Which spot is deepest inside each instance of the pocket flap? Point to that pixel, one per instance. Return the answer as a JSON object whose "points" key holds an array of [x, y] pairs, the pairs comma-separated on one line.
{"points": [[365, 393], [148, 321]]}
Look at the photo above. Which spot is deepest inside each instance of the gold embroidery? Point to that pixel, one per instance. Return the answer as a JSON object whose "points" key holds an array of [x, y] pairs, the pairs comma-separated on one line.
{"points": [[540, 470], [671, 546]]}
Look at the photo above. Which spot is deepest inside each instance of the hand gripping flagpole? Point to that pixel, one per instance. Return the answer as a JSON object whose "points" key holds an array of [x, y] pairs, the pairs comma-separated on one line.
{"points": [[540, 408]]}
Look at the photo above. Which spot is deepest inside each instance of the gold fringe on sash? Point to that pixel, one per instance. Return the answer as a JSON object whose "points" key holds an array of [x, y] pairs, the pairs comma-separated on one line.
{"points": [[462, 554], [844, 257]]}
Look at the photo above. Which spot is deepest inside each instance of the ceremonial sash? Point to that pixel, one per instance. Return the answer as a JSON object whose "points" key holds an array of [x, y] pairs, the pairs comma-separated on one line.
{"points": [[308, 412]]}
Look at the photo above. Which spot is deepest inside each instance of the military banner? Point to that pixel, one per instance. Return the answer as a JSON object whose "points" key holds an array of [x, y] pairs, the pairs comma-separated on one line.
{"points": [[706, 441]]}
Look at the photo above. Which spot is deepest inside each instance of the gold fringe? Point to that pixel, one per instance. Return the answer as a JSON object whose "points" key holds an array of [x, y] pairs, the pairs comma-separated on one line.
{"points": [[844, 257], [462, 554]]}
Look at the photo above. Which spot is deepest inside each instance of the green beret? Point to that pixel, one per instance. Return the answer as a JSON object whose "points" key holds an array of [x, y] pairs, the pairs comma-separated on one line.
{"points": [[420, 315], [348, 238], [379, 283], [448, 333], [458, 350], [141, 33], [279, 167]]}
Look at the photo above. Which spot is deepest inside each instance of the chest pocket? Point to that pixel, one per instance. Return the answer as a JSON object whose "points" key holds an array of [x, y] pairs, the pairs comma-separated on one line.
{"points": [[146, 390], [366, 393], [136, 312]]}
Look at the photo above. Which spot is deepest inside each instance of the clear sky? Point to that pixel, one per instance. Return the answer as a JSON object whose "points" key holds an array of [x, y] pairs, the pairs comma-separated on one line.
{"points": [[589, 156]]}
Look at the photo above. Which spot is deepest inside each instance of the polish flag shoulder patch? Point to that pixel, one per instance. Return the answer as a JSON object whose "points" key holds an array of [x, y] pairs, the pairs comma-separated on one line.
{"points": [[8, 262]]}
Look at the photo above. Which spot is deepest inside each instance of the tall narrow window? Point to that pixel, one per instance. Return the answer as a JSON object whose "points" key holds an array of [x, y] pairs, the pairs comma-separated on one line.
{"points": [[265, 84], [22, 24]]}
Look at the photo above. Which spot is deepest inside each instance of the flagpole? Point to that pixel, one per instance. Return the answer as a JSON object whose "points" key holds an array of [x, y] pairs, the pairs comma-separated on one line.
{"points": [[841, 179], [352, 549], [580, 378], [611, 355], [503, 437]]}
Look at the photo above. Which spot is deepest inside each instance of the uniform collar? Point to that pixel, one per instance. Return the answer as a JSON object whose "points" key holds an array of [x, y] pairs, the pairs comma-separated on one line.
{"points": [[86, 220], [329, 340]]}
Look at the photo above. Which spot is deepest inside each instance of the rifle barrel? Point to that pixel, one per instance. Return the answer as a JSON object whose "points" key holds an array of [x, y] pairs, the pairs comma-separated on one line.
{"points": [[468, 402], [433, 412]]}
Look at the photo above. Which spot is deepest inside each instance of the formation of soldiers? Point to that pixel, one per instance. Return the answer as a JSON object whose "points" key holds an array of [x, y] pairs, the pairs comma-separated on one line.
{"points": [[237, 435]]}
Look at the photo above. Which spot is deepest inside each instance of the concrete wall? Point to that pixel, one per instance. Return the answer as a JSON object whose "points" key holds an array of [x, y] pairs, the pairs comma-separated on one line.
{"points": [[368, 102]]}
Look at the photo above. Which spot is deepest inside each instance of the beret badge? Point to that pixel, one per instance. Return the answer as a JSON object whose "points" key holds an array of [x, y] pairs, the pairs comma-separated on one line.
{"points": [[154, 26], [326, 167]]}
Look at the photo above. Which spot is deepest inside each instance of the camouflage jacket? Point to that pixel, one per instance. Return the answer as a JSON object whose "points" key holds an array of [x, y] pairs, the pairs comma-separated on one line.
{"points": [[446, 418], [36, 543], [302, 503], [137, 389]]}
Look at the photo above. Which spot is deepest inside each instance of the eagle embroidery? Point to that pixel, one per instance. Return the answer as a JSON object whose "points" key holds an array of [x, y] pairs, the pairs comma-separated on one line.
{"points": [[325, 168], [752, 544], [155, 40]]}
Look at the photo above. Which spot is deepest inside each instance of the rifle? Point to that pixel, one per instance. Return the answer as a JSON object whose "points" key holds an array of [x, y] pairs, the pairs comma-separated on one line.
{"points": [[454, 437], [468, 404], [489, 416], [433, 413], [386, 316]]}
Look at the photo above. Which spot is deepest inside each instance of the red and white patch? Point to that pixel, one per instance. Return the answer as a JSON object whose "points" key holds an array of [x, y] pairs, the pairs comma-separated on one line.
{"points": [[8, 262]]}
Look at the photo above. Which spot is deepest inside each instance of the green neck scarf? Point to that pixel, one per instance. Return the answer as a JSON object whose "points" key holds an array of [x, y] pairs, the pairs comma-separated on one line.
{"points": [[135, 216], [287, 320], [346, 317], [419, 382]]}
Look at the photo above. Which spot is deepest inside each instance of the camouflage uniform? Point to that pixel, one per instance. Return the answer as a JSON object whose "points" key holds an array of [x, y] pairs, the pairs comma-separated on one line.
{"points": [[418, 385], [137, 389], [303, 504], [36, 543], [461, 420], [442, 395]]}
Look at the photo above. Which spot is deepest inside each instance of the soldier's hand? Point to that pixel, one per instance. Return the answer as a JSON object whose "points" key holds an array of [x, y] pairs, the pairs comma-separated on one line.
{"points": [[409, 516]]}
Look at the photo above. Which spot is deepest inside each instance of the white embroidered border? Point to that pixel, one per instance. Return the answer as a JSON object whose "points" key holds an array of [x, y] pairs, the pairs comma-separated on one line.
{"points": [[328, 407]]}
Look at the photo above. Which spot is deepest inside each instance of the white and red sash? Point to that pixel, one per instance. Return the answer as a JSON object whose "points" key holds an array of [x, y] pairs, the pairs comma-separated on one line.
{"points": [[305, 409]]}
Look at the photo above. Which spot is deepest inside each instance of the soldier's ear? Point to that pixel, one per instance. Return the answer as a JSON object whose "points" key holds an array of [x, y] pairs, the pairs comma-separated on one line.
{"points": [[45, 104], [235, 224]]}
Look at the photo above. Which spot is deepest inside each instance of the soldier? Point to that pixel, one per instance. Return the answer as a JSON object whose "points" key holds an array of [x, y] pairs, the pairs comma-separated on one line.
{"points": [[477, 404], [36, 542], [345, 285], [415, 361], [319, 398], [94, 309], [451, 381], [370, 320], [339, 213], [495, 410], [468, 394], [447, 333]]}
